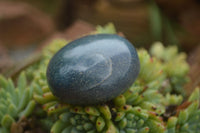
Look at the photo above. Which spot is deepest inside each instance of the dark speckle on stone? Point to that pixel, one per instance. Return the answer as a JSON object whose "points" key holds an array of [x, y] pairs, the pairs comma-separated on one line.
{"points": [[93, 69]]}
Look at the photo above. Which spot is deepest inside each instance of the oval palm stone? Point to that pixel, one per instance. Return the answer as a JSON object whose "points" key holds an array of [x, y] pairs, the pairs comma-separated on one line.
{"points": [[93, 69]]}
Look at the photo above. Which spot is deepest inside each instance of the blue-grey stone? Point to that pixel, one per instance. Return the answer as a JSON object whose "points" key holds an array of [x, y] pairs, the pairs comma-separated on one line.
{"points": [[93, 69]]}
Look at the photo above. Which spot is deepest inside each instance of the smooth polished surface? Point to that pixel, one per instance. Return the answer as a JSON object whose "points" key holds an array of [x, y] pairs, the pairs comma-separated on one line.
{"points": [[93, 69]]}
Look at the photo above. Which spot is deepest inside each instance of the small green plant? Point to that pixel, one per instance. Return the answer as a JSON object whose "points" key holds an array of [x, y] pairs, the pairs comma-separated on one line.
{"points": [[15, 102], [155, 103]]}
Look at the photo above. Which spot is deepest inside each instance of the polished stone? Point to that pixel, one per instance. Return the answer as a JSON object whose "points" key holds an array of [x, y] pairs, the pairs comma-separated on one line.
{"points": [[93, 69]]}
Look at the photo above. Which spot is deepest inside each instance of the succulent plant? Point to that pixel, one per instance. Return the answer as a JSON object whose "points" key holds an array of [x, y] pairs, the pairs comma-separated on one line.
{"points": [[176, 75], [15, 102], [187, 118], [155, 103]]}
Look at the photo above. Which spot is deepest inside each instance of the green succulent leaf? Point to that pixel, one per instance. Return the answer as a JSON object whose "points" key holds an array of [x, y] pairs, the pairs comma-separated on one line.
{"points": [[16, 102]]}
